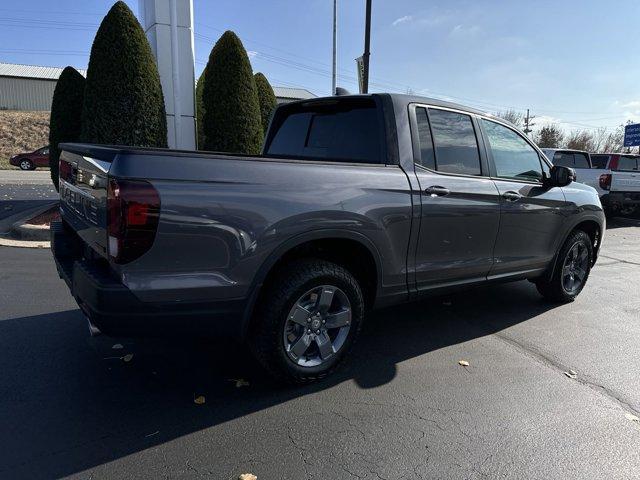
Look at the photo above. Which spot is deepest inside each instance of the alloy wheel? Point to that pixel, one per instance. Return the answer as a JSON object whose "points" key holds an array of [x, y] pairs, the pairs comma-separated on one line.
{"points": [[574, 268], [317, 326]]}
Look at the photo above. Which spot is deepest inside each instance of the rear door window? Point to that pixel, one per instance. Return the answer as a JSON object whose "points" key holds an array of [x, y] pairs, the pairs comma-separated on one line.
{"points": [[512, 155], [454, 138], [349, 133], [563, 159], [599, 161], [427, 157], [580, 160], [628, 163]]}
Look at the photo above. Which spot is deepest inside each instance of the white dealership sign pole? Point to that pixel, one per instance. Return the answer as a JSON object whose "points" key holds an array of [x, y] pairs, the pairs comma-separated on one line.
{"points": [[168, 25]]}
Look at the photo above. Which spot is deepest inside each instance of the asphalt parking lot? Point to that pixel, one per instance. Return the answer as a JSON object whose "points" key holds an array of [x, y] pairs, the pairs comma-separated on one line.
{"points": [[402, 408]]}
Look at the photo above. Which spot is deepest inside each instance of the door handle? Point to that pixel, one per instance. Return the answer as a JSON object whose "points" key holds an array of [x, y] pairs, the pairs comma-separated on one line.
{"points": [[436, 191], [511, 196]]}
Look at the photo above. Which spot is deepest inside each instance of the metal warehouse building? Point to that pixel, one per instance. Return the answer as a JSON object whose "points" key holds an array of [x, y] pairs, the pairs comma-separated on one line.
{"points": [[30, 87], [27, 87]]}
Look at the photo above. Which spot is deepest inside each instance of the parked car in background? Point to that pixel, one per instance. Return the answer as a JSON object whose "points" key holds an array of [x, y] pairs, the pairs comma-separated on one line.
{"points": [[581, 163], [31, 160], [620, 183], [356, 202]]}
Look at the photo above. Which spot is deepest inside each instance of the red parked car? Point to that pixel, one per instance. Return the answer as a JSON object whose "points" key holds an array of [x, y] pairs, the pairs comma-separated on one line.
{"points": [[31, 160]]}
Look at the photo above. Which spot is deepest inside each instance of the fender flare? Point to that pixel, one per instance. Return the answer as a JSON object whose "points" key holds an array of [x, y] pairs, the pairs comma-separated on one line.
{"points": [[293, 242], [566, 234]]}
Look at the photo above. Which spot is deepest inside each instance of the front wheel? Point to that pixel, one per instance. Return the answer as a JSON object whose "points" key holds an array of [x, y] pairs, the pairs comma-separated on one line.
{"points": [[306, 320], [572, 269], [26, 164]]}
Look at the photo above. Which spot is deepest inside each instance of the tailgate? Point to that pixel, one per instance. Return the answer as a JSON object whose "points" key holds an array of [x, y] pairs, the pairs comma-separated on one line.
{"points": [[623, 181], [83, 193]]}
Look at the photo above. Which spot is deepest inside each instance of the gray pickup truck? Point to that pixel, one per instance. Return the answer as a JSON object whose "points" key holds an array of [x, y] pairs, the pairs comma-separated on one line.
{"points": [[357, 202]]}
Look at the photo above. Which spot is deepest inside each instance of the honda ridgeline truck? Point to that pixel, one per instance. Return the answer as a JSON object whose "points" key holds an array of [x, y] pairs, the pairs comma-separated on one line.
{"points": [[356, 202]]}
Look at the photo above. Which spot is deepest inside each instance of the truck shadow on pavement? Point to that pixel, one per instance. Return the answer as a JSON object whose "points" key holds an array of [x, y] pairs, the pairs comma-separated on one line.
{"points": [[69, 402]]}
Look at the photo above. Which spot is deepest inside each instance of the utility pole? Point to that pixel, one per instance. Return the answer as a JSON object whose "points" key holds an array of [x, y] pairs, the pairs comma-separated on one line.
{"points": [[365, 57], [335, 33], [527, 123]]}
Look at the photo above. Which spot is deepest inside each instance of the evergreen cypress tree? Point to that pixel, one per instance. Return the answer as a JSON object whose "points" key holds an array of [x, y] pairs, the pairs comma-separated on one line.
{"points": [[266, 99], [123, 102], [66, 115], [200, 110], [231, 121]]}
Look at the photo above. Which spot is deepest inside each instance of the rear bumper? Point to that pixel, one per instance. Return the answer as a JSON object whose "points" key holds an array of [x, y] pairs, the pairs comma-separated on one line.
{"points": [[116, 311], [619, 199]]}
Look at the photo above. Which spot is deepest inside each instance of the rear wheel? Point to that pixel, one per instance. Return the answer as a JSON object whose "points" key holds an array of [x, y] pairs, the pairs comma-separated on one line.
{"points": [[572, 269], [307, 320], [26, 164], [627, 210]]}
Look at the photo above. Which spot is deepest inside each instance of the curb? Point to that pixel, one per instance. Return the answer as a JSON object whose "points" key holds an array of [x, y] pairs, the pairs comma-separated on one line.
{"points": [[19, 218], [30, 232], [22, 235], [7, 242]]}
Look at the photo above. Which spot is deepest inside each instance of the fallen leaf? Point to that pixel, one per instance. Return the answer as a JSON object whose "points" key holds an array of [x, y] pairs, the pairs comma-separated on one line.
{"points": [[199, 400], [632, 417], [247, 476], [240, 382], [571, 374], [127, 358], [117, 346], [464, 363]]}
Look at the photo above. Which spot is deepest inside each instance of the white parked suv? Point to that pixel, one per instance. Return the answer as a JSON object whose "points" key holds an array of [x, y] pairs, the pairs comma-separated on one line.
{"points": [[620, 182], [581, 162]]}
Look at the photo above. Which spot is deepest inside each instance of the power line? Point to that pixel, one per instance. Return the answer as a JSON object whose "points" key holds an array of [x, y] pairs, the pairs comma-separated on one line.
{"points": [[309, 66]]}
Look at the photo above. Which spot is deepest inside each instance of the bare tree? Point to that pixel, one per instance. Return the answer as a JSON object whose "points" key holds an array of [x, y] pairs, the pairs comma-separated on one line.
{"points": [[580, 140], [512, 116], [549, 136]]}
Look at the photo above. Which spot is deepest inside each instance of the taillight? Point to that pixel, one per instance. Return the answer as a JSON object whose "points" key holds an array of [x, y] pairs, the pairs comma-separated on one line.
{"points": [[133, 210], [65, 170], [605, 181]]}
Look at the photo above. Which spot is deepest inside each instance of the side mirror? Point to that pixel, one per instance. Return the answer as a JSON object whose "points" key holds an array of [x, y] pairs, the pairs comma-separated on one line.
{"points": [[560, 176]]}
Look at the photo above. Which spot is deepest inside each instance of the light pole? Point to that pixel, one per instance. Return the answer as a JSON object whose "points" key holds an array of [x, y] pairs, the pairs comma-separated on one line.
{"points": [[335, 55], [365, 57]]}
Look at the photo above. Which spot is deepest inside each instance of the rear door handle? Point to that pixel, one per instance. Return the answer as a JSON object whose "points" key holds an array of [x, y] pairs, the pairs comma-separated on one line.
{"points": [[436, 191], [511, 196]]}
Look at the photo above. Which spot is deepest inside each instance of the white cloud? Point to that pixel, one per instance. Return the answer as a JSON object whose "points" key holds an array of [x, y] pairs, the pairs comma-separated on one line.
{"points": [[543, 120], [405, 19], [634, 104], [252, 53], [464, 30]]}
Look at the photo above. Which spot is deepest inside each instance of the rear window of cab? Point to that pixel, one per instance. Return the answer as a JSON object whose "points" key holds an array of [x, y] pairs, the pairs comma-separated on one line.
{"points": [[342, 131]]}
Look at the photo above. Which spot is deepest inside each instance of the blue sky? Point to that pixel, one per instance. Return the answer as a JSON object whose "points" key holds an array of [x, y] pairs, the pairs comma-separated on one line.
{"points": [[571, 61]]}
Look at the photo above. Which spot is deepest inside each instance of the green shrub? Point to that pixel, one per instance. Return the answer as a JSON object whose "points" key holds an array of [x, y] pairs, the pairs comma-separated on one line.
{"points": [[266, 99], [231, 121], [66, 115], [200, 109], [123, 103]]}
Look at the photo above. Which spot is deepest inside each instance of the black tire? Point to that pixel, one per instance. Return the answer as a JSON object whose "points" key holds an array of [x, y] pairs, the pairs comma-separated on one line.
{"points": [[609, 213], [26, 164], [556, 288], [274, 305]]}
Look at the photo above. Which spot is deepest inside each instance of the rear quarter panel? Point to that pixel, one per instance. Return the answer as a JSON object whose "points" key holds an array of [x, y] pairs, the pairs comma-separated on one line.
{"points": [[225, 218]]}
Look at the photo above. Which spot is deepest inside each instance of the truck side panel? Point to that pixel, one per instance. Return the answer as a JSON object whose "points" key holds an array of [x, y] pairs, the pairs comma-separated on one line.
{"points": [[225, 217]]}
